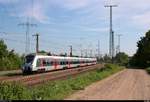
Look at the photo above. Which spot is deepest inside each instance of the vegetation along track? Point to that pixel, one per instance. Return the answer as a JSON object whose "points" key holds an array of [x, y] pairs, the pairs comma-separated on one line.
{"points": [[31, 80]]}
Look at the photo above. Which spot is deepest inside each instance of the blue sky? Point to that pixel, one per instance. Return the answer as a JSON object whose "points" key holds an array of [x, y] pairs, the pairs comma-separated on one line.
{"points": [[61, 23]]}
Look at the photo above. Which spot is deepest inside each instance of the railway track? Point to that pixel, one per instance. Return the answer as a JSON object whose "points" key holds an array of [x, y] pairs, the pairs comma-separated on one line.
{"points": [[36, 79]]}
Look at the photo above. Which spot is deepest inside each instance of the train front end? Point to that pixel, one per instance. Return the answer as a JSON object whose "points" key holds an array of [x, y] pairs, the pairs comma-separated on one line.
{"points": [[28, 64]]}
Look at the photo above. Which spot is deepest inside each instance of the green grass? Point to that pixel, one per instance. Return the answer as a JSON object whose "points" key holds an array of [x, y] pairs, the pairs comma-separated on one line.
{"points": [[56, 90]]}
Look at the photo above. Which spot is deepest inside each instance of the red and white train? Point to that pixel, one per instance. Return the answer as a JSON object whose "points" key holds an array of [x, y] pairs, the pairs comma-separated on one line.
{"points": [[34, 63]]}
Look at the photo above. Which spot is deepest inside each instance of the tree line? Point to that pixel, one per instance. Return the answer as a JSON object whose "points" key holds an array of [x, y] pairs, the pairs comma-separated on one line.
{"points": [[9, 60], [141, 59], [142, 56], [121, 58]]}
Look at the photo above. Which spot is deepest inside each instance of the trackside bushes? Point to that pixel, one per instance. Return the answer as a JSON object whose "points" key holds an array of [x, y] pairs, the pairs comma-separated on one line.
{"points": [[13, 91], [56, 90]]}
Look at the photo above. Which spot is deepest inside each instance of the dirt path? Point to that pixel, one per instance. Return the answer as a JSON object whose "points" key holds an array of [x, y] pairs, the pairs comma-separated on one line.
{"points": [[129, 84]]}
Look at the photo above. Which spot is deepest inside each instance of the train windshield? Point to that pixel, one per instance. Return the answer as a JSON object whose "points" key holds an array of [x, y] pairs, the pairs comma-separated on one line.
{"points": [[29, 58]]}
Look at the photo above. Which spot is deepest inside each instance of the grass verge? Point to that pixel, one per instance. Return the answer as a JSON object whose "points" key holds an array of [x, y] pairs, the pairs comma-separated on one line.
{"points": [[56, 90]]}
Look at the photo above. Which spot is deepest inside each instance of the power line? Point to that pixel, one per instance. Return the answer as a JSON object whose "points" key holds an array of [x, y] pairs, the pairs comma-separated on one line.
{"points": [[23, 42], [28, 25]]}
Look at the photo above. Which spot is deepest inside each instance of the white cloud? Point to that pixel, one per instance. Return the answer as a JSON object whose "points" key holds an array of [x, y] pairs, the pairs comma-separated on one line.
{"points": [[89, 9], [76, 4], [142, 20], [37, 13], [24, 9], [71, 4]]}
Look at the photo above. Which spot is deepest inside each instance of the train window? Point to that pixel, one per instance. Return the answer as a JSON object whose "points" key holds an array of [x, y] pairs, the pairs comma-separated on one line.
{"points": [[64, 63], [44, 63], [48, 62], [61, 63], [29, 58], [51, 62], [38, 63]]}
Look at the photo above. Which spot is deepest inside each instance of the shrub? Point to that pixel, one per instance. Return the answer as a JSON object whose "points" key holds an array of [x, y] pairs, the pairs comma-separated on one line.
{"points": [[148, 70], [13, 91]]}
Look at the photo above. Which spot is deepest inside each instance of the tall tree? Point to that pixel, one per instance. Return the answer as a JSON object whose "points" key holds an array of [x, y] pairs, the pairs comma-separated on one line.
{"points": [[122, 58], [142, 56], [8, 59]]}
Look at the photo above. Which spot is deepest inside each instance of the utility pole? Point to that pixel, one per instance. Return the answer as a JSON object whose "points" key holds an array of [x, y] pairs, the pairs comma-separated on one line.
{"points": [[111, 38], [81, 47], [91, 53], [98, 49], [28, 25], [86, 53], [90, 49], [37, 42], [70, 50], [119, 35], [113, 45], [81, 51]]}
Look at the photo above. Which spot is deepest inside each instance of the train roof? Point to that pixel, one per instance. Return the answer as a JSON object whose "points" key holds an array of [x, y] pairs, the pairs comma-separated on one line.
{"points": [[46, 56]]}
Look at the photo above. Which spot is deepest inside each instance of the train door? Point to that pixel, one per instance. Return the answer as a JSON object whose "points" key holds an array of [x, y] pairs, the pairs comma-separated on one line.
{"points": [[68, 63], [80, 62], [62, 63], [41, 64], [54, 62]]}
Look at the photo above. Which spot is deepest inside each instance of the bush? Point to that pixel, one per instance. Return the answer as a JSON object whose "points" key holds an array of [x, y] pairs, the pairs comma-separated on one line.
{"points": [[8, 59], [13, 91], [122, 59], [148, 70]]}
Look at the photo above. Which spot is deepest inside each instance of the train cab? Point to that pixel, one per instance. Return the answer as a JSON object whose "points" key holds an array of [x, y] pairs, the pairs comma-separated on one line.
{"points": [[28, 61]]}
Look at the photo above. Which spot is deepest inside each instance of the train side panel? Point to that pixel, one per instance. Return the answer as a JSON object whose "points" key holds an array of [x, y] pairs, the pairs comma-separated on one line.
{"points": [[47, 63]]}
